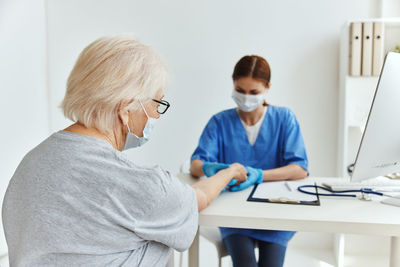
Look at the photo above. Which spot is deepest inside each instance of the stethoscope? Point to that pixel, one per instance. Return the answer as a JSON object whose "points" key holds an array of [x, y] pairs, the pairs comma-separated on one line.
{"points": [[365, 192]]}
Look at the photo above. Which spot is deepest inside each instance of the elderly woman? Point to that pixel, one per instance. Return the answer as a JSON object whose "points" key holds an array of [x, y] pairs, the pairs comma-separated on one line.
{"points": [[76, 200]]}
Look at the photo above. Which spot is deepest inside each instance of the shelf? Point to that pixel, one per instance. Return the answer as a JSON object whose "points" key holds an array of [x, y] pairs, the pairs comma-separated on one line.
{"points": [[363, 79], [362, 82], [357, 125], [356, 94]]}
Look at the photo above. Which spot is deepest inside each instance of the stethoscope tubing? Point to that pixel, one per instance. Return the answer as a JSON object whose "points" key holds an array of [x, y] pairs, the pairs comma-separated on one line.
{"points": [[336, 193]]}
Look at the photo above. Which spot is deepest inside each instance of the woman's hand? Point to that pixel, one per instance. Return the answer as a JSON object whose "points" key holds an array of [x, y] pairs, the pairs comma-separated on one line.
{"points": [[255, 176], [211, 168], [239, 172], [208, 189]]}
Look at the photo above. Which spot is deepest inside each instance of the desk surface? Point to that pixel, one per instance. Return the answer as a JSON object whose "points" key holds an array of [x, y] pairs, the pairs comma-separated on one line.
{"points": [[336, 214]]}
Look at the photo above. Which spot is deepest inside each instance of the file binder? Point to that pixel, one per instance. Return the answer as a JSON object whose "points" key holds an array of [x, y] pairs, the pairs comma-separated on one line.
{"points": [[277, 192], [355, 48], [366, 66], [378, 51]]}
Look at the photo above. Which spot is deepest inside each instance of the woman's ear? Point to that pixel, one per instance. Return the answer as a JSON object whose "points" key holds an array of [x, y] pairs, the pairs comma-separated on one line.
{"points": [[123, 113], [268, 85], [123, 116]]}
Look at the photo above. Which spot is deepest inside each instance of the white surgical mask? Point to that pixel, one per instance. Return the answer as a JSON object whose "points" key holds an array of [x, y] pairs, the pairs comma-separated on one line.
{"points": [[248, 103], [132, 140]]}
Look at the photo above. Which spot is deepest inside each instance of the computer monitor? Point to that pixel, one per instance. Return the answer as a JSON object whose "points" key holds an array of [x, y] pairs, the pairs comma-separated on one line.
{"points": [[379, 150]]}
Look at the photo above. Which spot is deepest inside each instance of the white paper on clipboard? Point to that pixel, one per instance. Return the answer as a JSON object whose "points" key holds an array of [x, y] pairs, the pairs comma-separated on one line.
{"points": [[279, 190]]}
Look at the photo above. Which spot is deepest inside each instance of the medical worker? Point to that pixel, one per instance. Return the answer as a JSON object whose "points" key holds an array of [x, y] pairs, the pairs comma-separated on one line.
{"points": [[264, 138]]}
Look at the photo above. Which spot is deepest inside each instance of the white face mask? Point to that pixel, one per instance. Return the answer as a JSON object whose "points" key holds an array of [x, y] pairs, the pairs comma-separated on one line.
{"points": [[132, 140], [248, 103]]}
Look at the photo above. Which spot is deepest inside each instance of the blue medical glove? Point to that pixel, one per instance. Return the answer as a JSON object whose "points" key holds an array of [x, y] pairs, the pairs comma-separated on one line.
{"points": [[254, 176], [232, 182], [211, 168]]}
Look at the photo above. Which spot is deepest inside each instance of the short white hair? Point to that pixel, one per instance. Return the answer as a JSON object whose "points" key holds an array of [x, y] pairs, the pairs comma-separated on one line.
{"points": [[108, 71]]}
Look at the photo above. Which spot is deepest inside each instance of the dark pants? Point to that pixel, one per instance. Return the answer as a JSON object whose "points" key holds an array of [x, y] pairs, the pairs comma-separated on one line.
{"points": [[241, 249]]}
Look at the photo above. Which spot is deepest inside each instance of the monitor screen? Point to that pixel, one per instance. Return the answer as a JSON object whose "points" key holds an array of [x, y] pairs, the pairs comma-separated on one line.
{"points": [[379, 150]]}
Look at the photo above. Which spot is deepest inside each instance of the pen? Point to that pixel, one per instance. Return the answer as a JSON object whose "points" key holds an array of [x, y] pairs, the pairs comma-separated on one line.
{"points": [[288, 186]]}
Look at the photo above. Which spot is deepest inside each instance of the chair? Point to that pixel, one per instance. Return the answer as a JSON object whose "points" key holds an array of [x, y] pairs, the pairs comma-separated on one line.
{"points": [[213, 235]]}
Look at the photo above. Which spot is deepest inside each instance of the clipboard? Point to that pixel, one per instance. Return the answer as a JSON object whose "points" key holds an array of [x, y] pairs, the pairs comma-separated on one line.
{"points": [[267, 192]]}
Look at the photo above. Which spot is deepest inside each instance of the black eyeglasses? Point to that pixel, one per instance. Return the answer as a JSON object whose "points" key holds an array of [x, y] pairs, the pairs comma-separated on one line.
{"points": [[162, 106]]}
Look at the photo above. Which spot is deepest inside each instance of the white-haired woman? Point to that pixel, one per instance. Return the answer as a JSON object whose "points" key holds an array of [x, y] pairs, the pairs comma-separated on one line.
{"points": [[76, 200]]}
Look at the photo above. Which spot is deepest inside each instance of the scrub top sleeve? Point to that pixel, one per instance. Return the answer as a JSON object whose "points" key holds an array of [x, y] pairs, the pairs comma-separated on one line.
{"points": [[173, 217], [207, 149], [294, 151]]}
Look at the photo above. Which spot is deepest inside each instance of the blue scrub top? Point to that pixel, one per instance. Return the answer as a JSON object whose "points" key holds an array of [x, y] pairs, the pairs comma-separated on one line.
{"points": [[279, 143]]}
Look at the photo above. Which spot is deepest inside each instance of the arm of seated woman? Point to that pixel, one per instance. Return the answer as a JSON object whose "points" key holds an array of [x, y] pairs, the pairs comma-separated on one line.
{"points": [[208, 189], [196, 168], [289, 172]]}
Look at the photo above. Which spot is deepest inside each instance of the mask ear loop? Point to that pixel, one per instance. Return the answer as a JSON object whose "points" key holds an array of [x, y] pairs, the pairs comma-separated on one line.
{"points": [[144, 109], [127, 125]]}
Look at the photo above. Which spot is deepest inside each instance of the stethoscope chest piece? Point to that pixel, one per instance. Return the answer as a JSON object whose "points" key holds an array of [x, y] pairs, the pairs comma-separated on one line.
{"points": [[365, 196]]}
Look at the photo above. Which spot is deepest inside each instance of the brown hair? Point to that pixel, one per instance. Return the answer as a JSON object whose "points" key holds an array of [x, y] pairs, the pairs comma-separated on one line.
{"points": [[252, 66]]}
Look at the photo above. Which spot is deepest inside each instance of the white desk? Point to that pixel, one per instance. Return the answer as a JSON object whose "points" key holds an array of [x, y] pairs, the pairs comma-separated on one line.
{"points": [[335, 215]]}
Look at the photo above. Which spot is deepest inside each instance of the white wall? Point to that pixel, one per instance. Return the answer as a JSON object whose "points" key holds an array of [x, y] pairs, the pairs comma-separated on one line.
{"points": [[201, 41], [23, 98], [390, 8]]}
